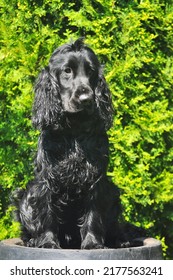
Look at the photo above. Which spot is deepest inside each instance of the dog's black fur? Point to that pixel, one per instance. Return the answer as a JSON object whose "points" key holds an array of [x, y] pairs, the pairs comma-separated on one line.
{"points": [[71, 203]]}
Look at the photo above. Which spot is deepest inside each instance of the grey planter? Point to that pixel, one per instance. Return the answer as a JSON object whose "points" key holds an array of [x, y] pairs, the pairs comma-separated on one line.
{"points": [[147, 249]]}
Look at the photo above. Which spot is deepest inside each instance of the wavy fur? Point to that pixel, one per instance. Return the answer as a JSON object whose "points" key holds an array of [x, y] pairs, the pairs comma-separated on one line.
{"points": [[71, 203]]}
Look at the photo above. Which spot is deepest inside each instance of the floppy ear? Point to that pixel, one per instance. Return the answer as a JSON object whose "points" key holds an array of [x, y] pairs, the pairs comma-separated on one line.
{"points": [[47, 104], [104, 101]]}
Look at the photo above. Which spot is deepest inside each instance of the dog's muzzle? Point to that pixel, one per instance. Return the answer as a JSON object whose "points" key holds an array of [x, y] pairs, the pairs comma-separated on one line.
{"points": [[84, 95]]}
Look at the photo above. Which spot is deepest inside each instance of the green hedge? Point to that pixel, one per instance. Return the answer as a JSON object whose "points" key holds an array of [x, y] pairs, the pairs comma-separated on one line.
{"points": [[134, 40]]}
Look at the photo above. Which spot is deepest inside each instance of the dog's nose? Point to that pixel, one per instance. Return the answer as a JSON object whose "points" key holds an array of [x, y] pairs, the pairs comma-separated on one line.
{"points": [[86, 95], [85, 98]]}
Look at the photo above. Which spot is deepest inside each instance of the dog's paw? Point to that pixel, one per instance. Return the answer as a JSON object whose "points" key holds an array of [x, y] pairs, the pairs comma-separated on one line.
{"points": [[30, 243], [90, 242], [45, 240], [125, 244], [90, 246], [50, 245]]}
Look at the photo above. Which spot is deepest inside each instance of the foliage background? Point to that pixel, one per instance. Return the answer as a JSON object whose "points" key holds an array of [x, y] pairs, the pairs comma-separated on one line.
{"points": [[134, 40]]}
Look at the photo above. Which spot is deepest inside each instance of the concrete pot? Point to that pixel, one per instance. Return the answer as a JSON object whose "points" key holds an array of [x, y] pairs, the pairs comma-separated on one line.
{"points": [[144, 249]]}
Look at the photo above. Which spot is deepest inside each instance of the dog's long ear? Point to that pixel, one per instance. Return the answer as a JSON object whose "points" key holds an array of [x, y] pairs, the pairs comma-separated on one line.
{"points": [[104, 101], [47, 104]]}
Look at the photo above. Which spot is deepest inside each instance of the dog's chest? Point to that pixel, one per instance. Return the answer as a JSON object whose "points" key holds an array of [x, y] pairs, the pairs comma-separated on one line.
{"points": [[76, 163]]}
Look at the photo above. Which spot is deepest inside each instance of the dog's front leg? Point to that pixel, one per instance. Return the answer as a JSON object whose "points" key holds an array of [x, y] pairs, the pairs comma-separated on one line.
{"points": [[92, 231]]}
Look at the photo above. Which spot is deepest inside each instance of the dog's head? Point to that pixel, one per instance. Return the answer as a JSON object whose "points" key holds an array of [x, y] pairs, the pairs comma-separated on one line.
{"points": [[71, 83]]}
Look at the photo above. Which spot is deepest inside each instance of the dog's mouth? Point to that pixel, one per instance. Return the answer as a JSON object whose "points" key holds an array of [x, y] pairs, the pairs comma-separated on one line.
{"points": [[77, 110], [79, 117], [82, 104]]}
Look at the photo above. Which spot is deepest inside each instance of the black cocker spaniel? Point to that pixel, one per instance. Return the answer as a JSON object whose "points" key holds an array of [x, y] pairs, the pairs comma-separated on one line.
{"points": [[71, 203]]}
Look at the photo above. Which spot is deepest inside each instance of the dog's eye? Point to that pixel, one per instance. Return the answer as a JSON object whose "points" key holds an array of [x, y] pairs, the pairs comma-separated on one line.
{"points": [[68, 70]]}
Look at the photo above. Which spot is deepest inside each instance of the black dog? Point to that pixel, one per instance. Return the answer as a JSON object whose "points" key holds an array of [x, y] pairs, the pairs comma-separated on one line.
{"points": [[71, 203]]}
